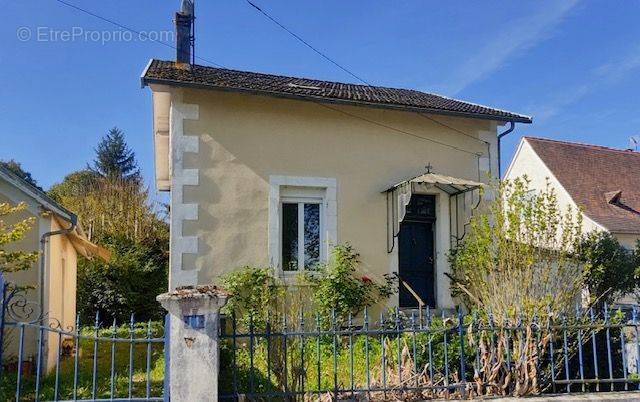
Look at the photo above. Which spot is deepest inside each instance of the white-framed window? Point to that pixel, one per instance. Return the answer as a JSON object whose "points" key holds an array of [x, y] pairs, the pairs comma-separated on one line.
{"points": [[302, 221], [302, 227]]}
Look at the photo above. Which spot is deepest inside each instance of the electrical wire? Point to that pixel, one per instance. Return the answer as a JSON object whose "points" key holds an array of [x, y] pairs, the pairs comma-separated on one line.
{"points": [[307, 44], [451, 127], [397, 129], [140, 33], [326, 57], [135, 31]]}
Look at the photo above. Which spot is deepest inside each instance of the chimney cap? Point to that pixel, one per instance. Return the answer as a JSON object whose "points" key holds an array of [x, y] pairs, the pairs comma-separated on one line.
{"points": [[186, 7]]}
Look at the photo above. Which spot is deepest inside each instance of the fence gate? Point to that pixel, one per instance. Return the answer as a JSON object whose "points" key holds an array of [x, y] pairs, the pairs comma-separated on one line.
{"points": [[43, 359]]}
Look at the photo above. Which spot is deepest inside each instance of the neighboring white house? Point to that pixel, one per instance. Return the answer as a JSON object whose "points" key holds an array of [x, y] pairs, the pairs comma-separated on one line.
{"points": [[604, 182]]}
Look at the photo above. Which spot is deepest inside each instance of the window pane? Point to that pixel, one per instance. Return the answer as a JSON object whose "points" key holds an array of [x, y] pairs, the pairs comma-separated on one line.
{"points": [[289, 237], [311, 235]]}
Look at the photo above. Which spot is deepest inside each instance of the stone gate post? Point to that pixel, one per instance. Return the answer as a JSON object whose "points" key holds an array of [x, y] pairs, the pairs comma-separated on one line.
{"points": [[193, 341]]}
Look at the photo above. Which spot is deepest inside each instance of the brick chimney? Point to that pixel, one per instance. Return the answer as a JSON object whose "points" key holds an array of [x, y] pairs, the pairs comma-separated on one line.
{"points": [[184, 38]]}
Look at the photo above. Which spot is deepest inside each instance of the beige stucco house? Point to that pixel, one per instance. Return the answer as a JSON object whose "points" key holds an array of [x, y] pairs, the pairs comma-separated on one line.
{"points": [[602, 181], [270, 170], [58, 236]]}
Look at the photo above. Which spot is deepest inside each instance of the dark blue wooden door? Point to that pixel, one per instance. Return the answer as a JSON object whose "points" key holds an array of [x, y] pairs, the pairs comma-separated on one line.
{"points": [[416, 261]]}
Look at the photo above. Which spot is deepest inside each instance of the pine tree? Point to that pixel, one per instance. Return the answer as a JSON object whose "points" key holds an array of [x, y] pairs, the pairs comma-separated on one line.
{"points": [[114, 159]]}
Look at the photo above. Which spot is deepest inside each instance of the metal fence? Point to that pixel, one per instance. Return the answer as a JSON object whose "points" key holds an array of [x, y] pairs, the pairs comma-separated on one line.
{"points": [[397, 355], [41, 359], [418, 356]]}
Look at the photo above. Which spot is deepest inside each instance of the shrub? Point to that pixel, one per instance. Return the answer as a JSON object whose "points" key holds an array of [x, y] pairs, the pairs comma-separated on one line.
{"points": [[518, 265], [518, 260], [337, 288], [610, 270], [12, 230], [257, 294], [334, 287], [127, 284]]}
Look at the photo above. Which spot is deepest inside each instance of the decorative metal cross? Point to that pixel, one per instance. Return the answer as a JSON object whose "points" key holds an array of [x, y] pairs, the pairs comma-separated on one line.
{"points": [[428, 167]]}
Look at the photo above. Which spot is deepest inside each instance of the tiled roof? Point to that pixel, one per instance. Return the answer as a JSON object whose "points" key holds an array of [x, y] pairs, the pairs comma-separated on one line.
{"points": [[593, 175], [168, 72]]}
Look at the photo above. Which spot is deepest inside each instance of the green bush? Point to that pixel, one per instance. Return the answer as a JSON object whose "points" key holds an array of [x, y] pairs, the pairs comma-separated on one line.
{"points": [[256, 292], [610, 269], [518, 256], [338, 289], [261, 302], [128, 283], [335, 287]]}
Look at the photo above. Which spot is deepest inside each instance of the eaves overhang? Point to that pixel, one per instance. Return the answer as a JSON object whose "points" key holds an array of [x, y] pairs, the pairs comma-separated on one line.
{"points": [[321, 99]]}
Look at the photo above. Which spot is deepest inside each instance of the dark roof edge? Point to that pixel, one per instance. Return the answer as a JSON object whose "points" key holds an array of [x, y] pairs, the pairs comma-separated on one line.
{"points": [[614, 231], [37, 194], [624, 232], [594, 147], [516, 119]]}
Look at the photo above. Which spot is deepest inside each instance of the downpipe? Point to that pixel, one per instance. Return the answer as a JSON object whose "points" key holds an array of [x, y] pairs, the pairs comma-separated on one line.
{"points": [[512, 126]]}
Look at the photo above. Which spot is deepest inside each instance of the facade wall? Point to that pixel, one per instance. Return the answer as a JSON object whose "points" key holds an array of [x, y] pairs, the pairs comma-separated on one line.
{"points": [[627, 240], [226, 147], [60, 293]]}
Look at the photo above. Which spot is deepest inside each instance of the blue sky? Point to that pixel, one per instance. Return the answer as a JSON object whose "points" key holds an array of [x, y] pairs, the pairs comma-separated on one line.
{"points": [[574, 66]]}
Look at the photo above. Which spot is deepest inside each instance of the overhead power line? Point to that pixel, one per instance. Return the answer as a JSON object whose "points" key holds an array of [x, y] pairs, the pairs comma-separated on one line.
{"points": [[326, 57], [398, 130], [307, 44], [140, 33], [451, 127], [127, 28]]}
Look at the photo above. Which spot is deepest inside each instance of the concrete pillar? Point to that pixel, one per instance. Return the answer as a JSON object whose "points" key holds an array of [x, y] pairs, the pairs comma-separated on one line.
{"points": [[193, 341]]}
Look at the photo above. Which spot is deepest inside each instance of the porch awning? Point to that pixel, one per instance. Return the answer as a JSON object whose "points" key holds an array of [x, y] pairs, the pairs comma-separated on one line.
{"points": [[448, 184], [399, 196]]}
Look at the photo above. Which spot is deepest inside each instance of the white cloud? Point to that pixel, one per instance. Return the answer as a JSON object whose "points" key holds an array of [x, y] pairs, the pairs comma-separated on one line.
{"points": [[617, 70], [513, 38], [551, 107], [600, 77]]}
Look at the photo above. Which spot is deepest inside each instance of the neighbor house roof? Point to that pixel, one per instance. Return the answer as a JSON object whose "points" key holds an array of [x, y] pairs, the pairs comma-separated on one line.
{"points": [[605, 182], [170, 73]]}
